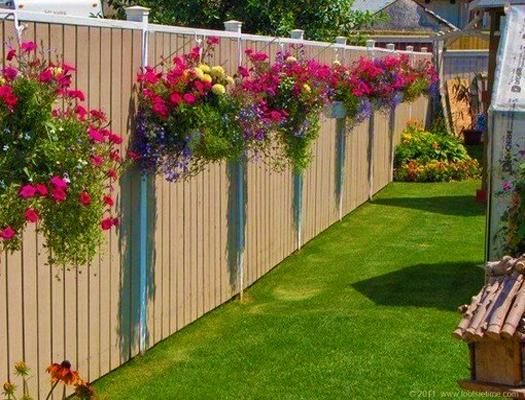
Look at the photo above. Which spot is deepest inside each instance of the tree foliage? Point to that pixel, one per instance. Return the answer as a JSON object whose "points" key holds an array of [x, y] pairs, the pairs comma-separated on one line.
{"points": [[321, 19]]}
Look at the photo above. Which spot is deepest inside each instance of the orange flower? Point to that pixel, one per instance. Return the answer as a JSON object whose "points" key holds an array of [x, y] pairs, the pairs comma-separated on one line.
{"points": [[21, 369], [9, 388], [63, 373]]}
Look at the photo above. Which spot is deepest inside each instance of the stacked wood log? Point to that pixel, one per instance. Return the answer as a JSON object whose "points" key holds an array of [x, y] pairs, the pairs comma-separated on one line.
{"points": [[497, 311]]}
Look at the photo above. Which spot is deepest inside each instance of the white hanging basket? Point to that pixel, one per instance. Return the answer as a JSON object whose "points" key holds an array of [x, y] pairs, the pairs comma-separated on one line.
{"points": [[335, 110]]}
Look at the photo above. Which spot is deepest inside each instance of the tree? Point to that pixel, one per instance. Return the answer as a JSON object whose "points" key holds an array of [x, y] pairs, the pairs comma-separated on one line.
{"points": [[321, 19]]}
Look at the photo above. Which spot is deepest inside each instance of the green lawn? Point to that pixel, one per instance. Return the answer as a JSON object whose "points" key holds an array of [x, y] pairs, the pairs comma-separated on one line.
{"points": [[364, 311]]}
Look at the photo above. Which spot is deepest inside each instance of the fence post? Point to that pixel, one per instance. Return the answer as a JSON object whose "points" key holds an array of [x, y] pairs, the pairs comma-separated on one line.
{"points": [[370, 46], [298, 178], [141, 14], [391, 127], [340, 44], [236, 27]]}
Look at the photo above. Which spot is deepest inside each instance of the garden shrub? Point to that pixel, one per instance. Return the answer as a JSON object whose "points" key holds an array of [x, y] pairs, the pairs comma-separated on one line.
{"points": [[430, 157]]}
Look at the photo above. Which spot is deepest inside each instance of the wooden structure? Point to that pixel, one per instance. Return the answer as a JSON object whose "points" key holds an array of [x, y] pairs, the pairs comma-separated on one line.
{"points": [[493, 325], [90, 314]]}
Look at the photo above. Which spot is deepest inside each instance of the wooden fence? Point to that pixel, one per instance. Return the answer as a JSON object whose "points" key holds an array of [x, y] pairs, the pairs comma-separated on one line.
{"points": [[91, 314], [465, 64]]}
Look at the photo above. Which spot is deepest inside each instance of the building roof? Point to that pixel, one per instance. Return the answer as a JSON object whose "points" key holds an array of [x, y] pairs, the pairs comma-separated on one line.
{"points": [[372, 6], [484, 4], [404, 16], [496, 312]]}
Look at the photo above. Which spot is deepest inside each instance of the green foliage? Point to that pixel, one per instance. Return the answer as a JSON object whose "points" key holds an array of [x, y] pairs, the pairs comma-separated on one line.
{"points": [[321, 19], [428, 157]]}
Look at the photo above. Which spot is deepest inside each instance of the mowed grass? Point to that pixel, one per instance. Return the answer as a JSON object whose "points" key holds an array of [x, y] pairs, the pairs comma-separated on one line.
{"points": [[364, 311]]}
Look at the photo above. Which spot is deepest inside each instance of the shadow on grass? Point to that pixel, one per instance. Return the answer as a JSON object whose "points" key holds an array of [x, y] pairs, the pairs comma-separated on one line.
{"points": [[464, 206], [442, 286]]}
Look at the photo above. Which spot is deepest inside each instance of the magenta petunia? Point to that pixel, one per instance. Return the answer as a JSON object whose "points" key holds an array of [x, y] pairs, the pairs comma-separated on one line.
{"points": [[59, 195], [85, 198], [58, 182], [41, 189], [32, 215], [28, 47], [7, 233], [96, 135], [27, 191]]}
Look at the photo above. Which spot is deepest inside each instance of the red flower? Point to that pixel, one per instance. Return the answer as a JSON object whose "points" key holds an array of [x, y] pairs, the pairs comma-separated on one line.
{"points": [[58, 182], [106, 223], [32, 215], [97, 160], [212, 40], [41, 189], [81, 112], [112, 174], [27, 192], [133, 155], [108, 200], [59, 195], [11, 54], [45, 76], [175, 98], [76, 94], [7, 233], [98, 115], [115, 156], [10, 73], [8, 96], [85, 198], [114, 138]]}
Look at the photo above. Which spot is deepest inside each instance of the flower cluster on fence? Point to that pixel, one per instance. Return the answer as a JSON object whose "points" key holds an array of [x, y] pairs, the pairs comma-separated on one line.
{"points": [[59, 160], [192, 113]]}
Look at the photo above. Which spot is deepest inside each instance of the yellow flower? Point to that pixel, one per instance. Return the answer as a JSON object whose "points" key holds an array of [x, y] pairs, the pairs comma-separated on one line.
{"points": [[291, 60], [2, 81], [206, 78], [21, 369], [198, 73], [337, 63], [307, 88], [217, 71], [57, 71], [230, 80], [205, 68], [218, 89]]}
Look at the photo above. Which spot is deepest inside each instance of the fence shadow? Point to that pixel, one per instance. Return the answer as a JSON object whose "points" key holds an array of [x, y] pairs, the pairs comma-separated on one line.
{"points": [[464, 206], [443, 286], [129, 329], [236, 226]]}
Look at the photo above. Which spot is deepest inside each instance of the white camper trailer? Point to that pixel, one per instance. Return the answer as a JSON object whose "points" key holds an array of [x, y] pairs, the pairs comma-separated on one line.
{"points": [[75, 8]]}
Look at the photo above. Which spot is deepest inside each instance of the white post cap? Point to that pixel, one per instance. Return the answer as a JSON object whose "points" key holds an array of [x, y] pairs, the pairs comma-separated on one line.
{"points": [[410, 48], [424, 49], [297, 34], [137, 14], [391, 46], [370, 44], [341, 40], [233, 26]]}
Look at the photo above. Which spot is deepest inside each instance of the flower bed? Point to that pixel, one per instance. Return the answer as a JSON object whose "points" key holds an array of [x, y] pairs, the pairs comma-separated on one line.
{"points": [[59, 161], [428, 157]]}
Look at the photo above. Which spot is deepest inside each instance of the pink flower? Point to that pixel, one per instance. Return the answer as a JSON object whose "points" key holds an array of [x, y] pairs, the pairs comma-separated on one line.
{"points": [[134, 156], [507, 186], [7, 233], [10, 73], [189, 98], [41, 189], [81, 112], [28, 47], [85, 198], [96, 135], [98, 115], [112, 174], [115, 156], [59, 195], [32, 215], [58, 182], [160, 108], [97, 160], [27, 192]]}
